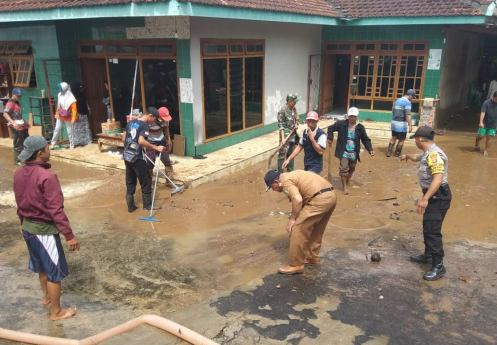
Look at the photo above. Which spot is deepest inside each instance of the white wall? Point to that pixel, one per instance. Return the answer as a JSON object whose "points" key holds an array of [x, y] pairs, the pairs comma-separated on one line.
{"points": [[288, 47]]}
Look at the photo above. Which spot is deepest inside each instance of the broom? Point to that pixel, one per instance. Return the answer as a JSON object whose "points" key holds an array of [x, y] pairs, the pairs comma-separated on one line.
{"points": [[176, 188], [151, 217]]}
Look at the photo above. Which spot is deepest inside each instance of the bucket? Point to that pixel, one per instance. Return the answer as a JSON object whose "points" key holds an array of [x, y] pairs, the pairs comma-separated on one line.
{"points": [[414, 122]]}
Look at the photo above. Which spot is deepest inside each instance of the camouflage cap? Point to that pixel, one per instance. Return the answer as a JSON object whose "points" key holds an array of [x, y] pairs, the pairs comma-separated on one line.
{"points": [[292, 97]]}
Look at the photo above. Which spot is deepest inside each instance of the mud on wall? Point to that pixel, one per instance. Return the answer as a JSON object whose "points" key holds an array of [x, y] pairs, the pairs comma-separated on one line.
{"points": [[460, 66], [287, 50]]}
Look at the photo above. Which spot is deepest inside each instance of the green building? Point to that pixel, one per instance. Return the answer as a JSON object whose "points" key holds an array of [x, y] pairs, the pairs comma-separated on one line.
{"points": [[223, 71]]}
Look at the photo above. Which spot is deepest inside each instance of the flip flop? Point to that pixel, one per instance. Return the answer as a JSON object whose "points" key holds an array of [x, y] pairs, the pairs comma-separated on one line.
{"points": [[56, 147], [199, 157]]}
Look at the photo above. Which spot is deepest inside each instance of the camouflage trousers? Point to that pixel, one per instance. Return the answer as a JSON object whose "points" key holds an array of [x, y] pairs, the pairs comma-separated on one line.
{"points": [[285, 152]]}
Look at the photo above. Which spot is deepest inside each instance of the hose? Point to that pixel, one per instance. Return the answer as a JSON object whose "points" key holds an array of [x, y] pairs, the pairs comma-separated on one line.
{"points": [[152, 320]]}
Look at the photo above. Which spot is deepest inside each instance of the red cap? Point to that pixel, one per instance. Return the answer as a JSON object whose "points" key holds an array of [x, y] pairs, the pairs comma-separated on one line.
{"points": [[312, 115], [164, 114]]}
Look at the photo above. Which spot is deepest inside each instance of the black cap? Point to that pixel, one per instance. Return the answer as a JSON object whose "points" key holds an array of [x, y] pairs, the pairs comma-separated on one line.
{"points": [[270, 177], [424, 132], [411, 92], [153, 111]]}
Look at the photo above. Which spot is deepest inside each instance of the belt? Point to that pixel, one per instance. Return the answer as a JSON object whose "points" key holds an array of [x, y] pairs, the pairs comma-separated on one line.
{"points": [[320, 192], [443, 193]]}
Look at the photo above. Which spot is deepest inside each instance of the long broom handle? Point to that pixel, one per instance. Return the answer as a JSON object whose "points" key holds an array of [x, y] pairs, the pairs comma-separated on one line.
{"points": [[162, 172], [133, 95], [155, 186]]}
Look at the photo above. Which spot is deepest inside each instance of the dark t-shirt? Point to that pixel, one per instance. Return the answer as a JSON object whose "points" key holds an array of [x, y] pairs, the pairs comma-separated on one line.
{"points": [[490, 110], [136, 129]]}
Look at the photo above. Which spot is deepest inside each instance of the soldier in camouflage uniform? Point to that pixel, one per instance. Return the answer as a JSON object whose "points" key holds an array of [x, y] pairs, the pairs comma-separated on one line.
{"points": [[287, 120]]}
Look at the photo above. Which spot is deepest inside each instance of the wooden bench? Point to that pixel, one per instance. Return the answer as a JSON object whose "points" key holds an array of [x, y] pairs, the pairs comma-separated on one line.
{"points": [[110, 140]]}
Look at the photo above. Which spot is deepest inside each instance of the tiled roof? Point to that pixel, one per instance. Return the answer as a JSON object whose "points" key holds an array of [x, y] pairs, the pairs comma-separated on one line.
{"points": [[27, 5], [311, 7], [326, 8], [410, 8]]}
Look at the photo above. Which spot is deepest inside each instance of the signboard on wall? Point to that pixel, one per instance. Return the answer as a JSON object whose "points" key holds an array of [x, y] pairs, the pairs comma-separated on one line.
{"points": [[186, 90], [434, 59]]}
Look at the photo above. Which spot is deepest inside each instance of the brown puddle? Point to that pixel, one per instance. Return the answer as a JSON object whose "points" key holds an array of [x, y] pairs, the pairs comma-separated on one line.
{"points": [[231, 231]]}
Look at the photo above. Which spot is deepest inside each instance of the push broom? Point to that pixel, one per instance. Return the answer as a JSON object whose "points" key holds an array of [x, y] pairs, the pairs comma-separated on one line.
{"points": [[151, 217], [176, 188]]}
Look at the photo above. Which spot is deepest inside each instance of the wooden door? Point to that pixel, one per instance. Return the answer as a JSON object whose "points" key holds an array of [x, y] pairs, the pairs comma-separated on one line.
{"points": [[328, 83], [4, 130], [314, 82], [342, 81], [94, 74]]}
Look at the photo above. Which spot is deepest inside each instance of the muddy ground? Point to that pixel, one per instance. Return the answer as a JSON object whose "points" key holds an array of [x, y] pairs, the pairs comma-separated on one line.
{"points": [[210, 263]]}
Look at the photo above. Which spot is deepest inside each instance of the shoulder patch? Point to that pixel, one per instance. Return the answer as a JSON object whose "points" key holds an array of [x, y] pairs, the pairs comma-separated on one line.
{"points": [[434, 157]]}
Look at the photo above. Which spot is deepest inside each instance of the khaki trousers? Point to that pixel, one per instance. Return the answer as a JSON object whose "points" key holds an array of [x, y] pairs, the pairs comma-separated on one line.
{"points": [[308, 230]]}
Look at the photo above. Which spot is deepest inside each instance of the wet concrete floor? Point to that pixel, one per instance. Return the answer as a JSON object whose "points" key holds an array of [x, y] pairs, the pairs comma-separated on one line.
{"points": [[210, 263]]}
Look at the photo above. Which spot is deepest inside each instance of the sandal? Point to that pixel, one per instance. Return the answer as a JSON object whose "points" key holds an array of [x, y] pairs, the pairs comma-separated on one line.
{"points": [[55, 147]]}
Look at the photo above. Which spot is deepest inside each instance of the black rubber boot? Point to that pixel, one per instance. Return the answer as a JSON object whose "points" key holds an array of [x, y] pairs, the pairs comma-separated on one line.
{"points": [[390, 149], [424, 258], [437, 269], [398, 151], [147, 202], [130, 200]]}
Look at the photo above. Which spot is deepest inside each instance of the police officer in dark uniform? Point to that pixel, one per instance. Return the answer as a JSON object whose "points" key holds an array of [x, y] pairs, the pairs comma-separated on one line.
{"points": [[433, 179]]}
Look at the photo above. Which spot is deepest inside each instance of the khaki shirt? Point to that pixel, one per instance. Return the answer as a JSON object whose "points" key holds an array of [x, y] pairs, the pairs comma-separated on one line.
{"points": [[304, 183], [433, 161]]}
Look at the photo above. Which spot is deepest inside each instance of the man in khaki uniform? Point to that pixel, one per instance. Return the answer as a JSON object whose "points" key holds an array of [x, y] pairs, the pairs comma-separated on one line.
{"points": [[313, 202]]}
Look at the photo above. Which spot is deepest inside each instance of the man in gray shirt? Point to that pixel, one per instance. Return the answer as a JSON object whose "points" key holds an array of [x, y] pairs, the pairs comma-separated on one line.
{"points": [[433, 179], [488, 123]]}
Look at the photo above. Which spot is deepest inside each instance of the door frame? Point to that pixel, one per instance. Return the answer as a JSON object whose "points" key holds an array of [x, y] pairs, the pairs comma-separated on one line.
{"points": [[92, 120], [102, 53], [352, 47], [310, 81], [323, 74]]}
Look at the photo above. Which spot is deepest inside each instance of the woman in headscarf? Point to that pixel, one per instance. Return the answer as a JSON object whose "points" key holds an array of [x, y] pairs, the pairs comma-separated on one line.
{"points": [[66, 114], [81, 131]]}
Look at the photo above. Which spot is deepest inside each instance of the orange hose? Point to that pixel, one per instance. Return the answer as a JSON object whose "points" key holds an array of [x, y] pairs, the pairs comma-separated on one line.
{"points": [[152, 320]]}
